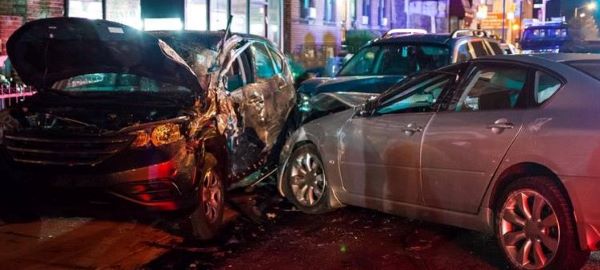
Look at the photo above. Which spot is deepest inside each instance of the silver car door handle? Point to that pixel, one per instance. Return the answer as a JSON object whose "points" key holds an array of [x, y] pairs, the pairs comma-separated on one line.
{"points": [[501, 126], [411, 129]]}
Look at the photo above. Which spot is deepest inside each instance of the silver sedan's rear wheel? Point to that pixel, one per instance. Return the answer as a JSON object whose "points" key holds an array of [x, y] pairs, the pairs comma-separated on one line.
{"points": [[305, 183], [535, 226], [529, 229]]}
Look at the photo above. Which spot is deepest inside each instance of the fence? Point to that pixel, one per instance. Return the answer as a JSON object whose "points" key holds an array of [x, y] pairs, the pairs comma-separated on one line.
{"points": [[12, 95]]}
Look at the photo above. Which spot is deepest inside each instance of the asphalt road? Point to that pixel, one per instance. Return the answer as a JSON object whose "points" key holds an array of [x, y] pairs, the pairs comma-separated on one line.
{"points": [[263, 232]]}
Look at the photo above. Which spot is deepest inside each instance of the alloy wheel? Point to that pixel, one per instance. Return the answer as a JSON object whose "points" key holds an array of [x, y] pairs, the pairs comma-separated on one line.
{"points": [[307, 179], [211, 195], [529, 230]]}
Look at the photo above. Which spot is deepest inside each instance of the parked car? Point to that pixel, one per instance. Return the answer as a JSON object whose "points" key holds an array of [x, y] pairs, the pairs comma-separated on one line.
{"points": [[385, 62], [404, 32], [504, 144], [509, 48], [119, 110], [545, 38]]}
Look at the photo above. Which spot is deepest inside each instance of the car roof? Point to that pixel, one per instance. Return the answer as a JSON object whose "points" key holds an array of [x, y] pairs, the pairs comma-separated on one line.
{"points": [[419, 38], [541, 58], [441, 39]]}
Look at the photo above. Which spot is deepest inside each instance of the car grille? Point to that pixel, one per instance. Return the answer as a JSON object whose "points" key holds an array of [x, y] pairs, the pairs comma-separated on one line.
{"points": [[70, 151]]}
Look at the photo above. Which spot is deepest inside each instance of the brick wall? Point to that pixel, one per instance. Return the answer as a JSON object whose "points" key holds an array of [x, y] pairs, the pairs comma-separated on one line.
{"points": [[13, 13], [8, 24], [13, 7], [38, 9]]}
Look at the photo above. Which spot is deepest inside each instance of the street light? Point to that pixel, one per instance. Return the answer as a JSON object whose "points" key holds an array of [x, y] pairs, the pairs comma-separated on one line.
{"points": [[589, 6]]}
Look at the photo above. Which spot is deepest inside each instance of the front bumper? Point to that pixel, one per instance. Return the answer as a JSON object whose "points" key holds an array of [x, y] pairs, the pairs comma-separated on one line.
{"points": [[163, 183], [583, 192]]}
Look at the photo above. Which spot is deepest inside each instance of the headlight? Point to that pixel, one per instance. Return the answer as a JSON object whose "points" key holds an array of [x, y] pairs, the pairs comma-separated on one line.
{"points": [[304, 103], [157, 136]]}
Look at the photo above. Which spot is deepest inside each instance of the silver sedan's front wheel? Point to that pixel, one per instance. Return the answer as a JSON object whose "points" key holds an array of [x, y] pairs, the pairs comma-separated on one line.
{"points": [[305, 183], [535, 226], [307, 179]]}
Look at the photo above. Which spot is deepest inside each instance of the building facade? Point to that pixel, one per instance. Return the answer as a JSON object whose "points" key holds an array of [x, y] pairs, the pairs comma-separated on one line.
{"points": [[315, 29], [259, 17], [13, 13]]}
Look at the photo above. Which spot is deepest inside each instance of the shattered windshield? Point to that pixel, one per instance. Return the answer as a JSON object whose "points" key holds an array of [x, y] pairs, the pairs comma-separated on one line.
{"points": [[396, 59], [115, 82]]}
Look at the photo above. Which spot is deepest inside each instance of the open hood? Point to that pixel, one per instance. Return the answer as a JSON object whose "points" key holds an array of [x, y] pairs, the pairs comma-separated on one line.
{"points": [[48, 50]]}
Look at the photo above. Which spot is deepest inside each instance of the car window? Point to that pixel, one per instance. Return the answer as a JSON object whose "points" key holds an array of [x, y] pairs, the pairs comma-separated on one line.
{"points": [[496, 48], [277, 60], [492, 88], [479, 48], [262, 59], [236, 78], [396, 59], [464, 54], [545, 86], [419, 98], [114, 82]]}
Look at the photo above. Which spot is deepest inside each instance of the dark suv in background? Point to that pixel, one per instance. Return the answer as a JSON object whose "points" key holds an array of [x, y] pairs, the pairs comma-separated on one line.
{"points": [[386, 61]]}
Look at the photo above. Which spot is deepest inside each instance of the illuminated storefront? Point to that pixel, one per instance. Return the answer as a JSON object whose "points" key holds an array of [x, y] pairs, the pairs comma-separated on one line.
{"points": [[258, 17]]}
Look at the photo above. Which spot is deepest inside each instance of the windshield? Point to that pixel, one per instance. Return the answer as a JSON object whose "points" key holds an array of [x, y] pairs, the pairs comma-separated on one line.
{"points": [[396, 59], [115, 82]]}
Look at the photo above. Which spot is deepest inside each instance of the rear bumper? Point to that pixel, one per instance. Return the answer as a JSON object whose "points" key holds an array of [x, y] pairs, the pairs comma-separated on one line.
{"points": [[583, 192]]}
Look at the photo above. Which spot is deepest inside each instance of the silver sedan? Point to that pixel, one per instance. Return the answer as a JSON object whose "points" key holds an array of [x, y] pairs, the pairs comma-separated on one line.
{"points": [[508, 145]]}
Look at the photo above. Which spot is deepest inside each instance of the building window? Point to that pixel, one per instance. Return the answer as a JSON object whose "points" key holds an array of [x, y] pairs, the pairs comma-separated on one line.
{"points": [[274, 17], [218, 14], [329, 11], [195, 15], [127, 12], [383, 20], [307, 9], [239, 12], [258, 19], [352, 10], [366, 12], [91, 9]]}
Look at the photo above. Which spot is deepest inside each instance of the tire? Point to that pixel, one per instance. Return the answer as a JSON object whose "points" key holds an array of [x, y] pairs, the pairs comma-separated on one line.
{"points": [[207, 218], [544, 238], [305, 162]]}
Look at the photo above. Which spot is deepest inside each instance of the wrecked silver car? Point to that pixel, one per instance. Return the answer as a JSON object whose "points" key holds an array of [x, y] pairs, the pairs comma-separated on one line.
{"points": [[164, 124]]}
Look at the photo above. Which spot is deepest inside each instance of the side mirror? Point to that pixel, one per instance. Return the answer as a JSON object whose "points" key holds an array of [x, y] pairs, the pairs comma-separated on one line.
{"points": [[366, 109]]}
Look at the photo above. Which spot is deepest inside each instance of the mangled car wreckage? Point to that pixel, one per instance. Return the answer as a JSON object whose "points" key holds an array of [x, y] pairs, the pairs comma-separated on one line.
{"points": [[166, 124]]}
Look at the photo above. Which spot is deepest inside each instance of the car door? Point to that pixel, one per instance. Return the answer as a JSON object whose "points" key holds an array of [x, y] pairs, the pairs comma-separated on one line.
{"points": [[260, 106], [380, 153], [469, 136], [285, 94]]}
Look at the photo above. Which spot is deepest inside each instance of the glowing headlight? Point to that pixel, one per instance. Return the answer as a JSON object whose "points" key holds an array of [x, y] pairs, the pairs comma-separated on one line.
{"points": [[159, 135]]}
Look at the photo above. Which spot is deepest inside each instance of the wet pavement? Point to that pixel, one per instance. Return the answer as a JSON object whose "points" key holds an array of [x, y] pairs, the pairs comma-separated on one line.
{"points": [[263, 232]]}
